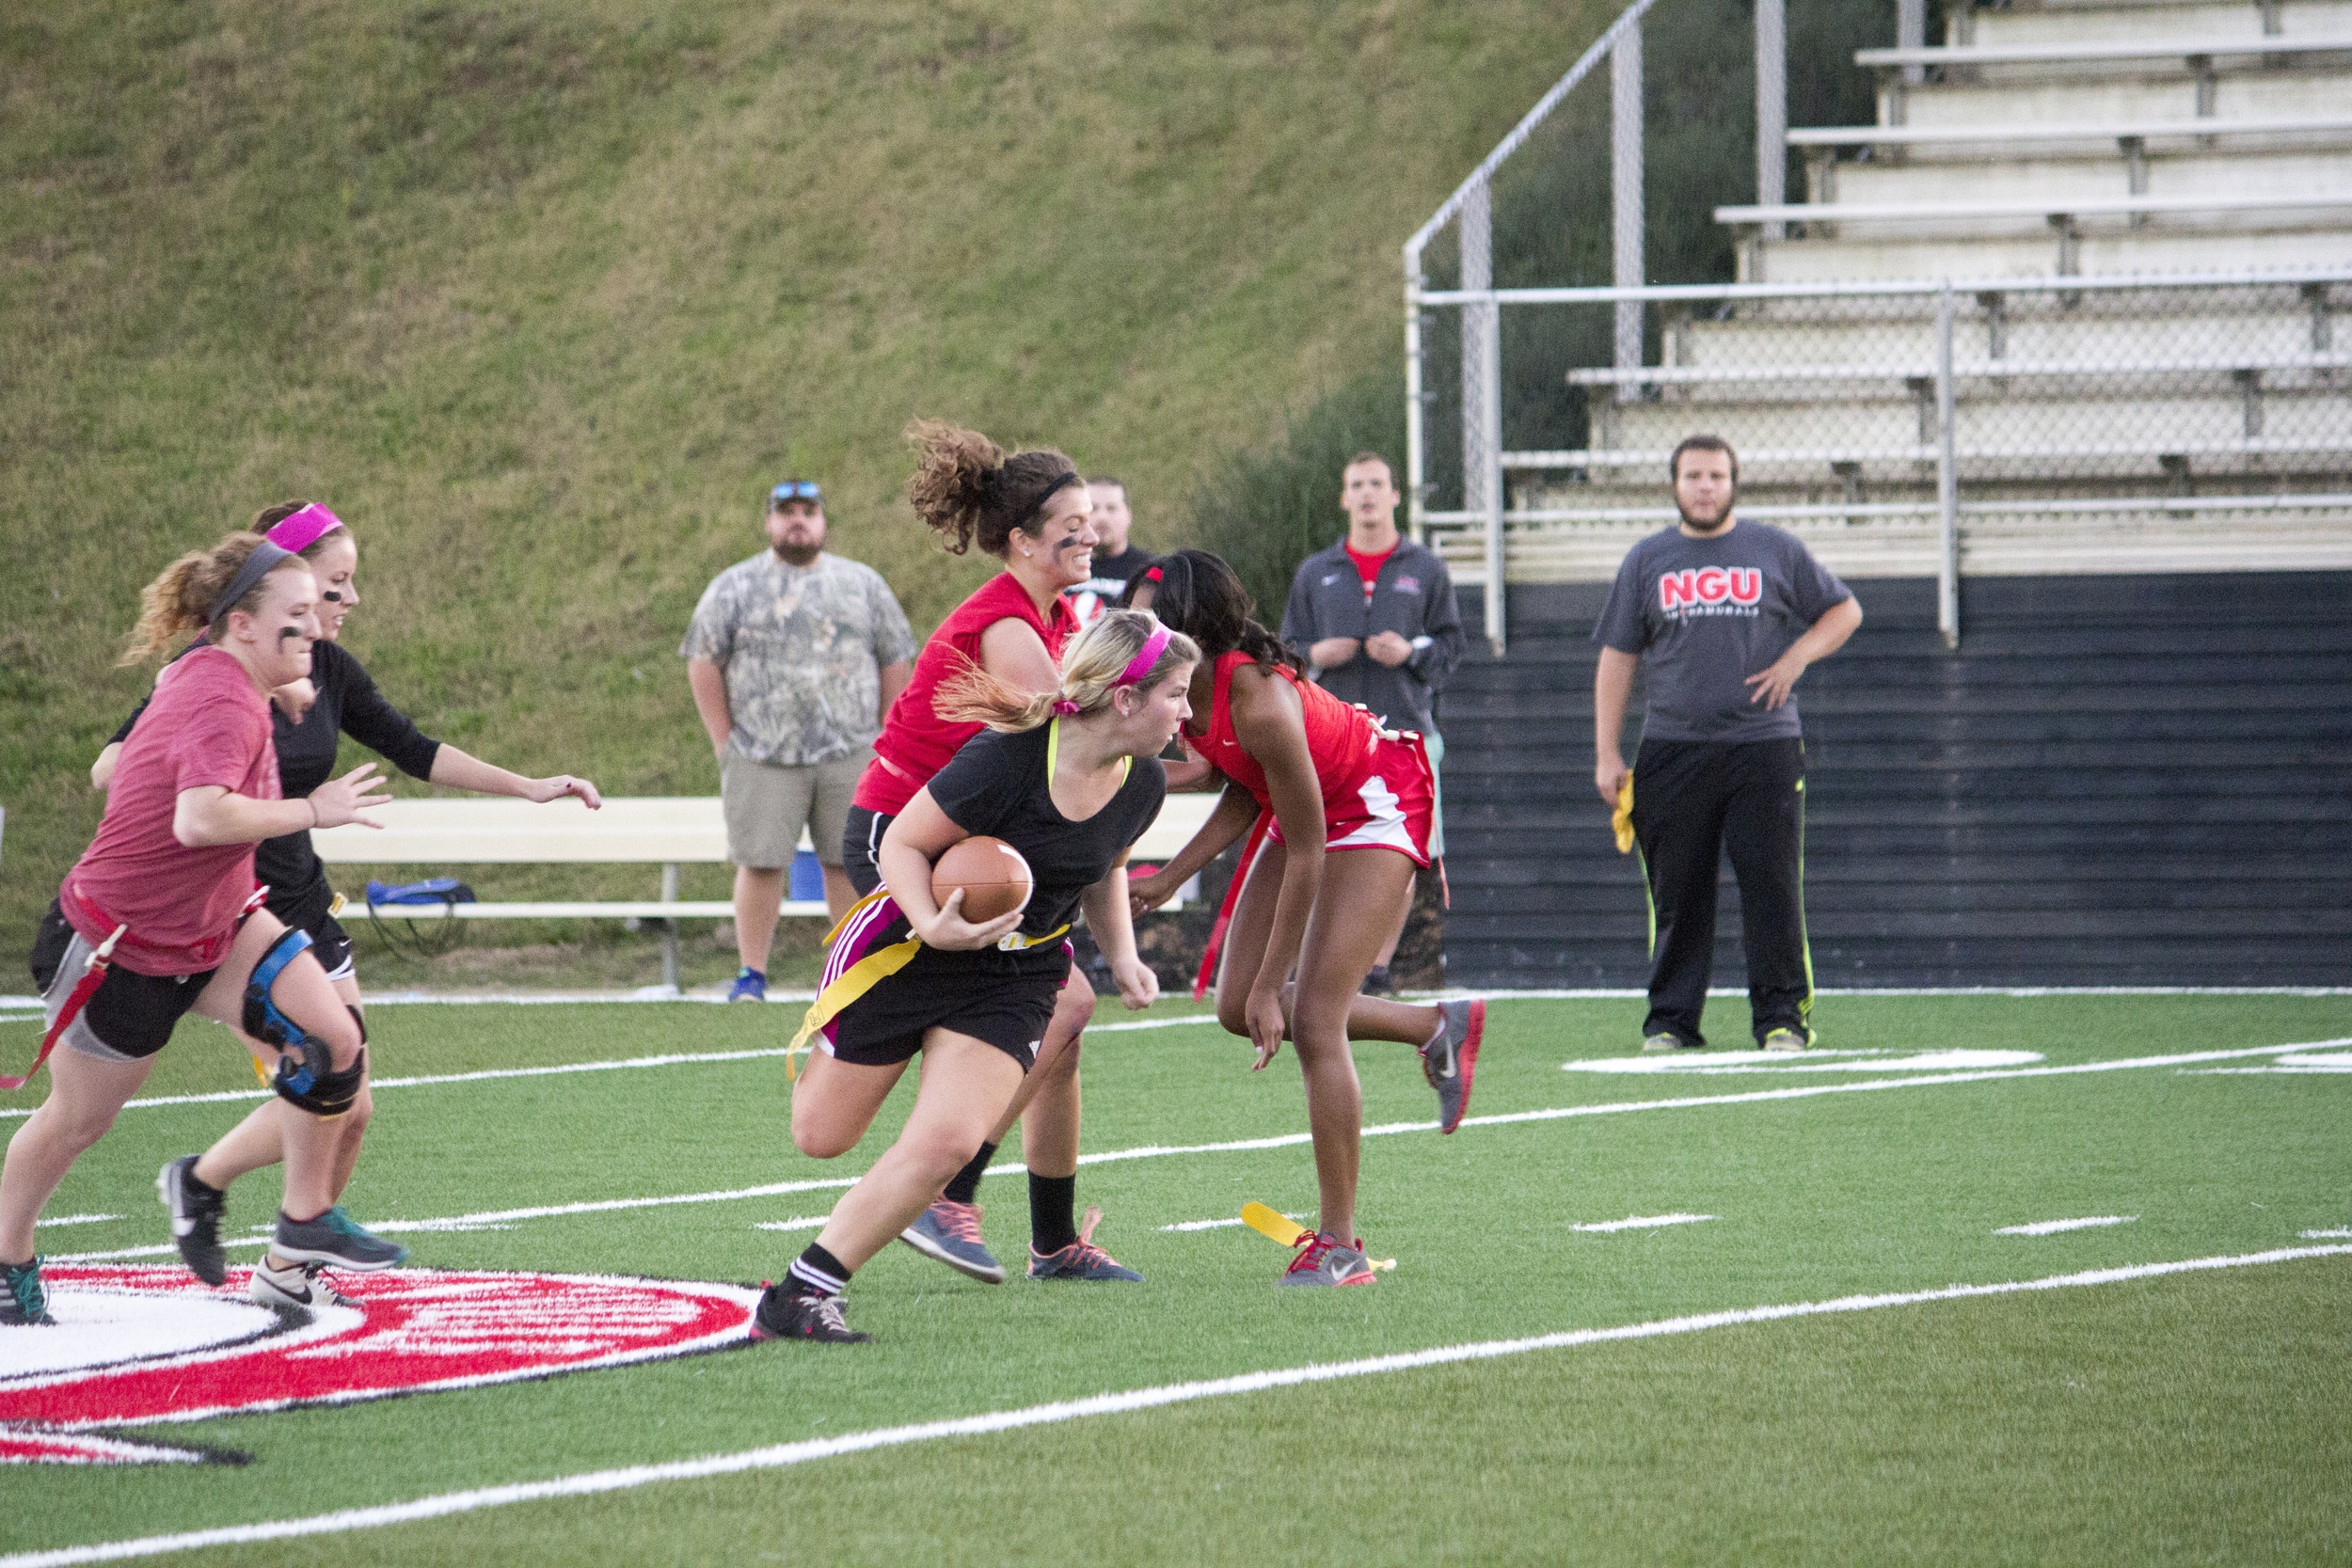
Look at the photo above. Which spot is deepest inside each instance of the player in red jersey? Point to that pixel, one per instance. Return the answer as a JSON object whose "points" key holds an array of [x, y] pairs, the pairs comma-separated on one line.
{"points": [[1318, 777], [166, 918], [1031, 511]]}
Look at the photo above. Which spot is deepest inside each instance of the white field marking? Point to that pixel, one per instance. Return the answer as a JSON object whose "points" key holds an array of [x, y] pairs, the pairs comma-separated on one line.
{"points": [[1643, 1222], [805, 1222], [561, 1070], [2051, 1228], [395, 998], [1697, 1064], [163, 1249], [1218, 1225], [2339, 1232], [80, 1219], [1293, 1140], [2305, 1063], [785, 1455]]}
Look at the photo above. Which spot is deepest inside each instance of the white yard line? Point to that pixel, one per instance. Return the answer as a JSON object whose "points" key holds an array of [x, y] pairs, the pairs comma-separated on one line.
{"points": [[2337, 1233], [785, 1455], [1292, 1140], [627, 1063], [805, 1222], [2051, 1227], [1643, 1222]]}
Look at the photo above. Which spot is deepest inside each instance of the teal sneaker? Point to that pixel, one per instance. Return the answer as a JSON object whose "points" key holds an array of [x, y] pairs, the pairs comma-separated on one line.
{"points": [[27, 1299], [336, 1238]]}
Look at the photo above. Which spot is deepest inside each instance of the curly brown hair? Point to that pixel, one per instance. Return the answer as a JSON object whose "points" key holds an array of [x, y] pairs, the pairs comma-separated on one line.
{"points": [[966, 489]]}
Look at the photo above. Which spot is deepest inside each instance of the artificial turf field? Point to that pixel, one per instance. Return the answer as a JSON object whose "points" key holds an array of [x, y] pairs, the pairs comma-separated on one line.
{"points": [[2195, 1415]]}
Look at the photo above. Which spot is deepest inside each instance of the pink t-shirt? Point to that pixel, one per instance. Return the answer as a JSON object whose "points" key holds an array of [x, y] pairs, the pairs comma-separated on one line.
{"points": [[206, 725]]}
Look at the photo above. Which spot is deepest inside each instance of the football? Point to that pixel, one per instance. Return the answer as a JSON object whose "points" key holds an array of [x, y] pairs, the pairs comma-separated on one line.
{"points": [[994, 879]]}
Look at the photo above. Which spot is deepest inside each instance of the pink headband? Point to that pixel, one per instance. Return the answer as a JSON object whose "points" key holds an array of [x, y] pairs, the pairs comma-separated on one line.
{"points": [[301, 529], [1145, 657]]}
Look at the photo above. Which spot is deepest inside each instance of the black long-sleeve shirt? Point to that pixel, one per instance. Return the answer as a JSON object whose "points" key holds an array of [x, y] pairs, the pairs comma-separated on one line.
{"points": [[348, 704]]}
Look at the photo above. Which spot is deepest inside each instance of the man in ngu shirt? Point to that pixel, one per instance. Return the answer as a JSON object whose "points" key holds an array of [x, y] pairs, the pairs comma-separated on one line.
{"points": [[1726, 615]]}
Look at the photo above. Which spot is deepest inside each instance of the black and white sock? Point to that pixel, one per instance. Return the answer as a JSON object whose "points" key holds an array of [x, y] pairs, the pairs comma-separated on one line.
{"points": [[817, 1273]]}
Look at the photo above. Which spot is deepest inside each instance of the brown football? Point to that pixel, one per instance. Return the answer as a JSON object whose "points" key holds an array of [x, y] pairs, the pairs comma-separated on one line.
{"points": [[994, 879]]}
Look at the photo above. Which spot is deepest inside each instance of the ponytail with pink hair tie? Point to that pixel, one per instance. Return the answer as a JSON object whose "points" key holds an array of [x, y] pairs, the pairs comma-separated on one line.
{"points": [[1067, 707]]}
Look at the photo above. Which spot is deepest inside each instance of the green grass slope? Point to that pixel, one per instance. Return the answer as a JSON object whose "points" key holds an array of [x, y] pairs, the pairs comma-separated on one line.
{"points": [[539, 297]]}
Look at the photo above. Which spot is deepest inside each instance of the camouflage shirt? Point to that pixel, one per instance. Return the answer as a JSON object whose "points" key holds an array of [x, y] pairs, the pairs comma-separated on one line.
{"points": [[802, 648]]}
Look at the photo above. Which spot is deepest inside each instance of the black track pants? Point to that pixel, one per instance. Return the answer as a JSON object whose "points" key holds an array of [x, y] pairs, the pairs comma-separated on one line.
{"points": [[1693, 801]]}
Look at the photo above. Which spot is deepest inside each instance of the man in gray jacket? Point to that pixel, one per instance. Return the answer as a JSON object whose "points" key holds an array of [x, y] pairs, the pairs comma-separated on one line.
{"points": [[1376, 619]]}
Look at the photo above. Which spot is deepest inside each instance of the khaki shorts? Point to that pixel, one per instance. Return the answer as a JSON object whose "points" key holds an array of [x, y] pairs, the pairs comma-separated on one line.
{"points": [[767, 805]]}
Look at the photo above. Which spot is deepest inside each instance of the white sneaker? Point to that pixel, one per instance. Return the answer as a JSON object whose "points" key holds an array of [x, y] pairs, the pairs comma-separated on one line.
{"points": [[299, 1288]]}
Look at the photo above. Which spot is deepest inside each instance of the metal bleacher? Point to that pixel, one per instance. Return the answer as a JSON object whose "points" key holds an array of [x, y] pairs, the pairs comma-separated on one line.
{"points": [[2135, 220]]}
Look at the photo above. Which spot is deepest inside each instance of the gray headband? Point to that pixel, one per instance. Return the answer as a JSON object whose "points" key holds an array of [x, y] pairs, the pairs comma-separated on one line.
{"points": [[265, 558]]}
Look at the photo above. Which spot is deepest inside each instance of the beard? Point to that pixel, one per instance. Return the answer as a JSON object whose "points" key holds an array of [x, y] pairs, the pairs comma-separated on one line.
{"points": [[797, 554], [1709, 525]]}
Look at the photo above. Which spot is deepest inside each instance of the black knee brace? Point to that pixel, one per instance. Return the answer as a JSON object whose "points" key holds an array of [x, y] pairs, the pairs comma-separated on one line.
{"points": [[314, 1085]]}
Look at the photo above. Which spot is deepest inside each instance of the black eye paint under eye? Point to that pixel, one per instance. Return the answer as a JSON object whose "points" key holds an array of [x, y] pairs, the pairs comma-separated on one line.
{"points": [[330, 595], [284, 632]]}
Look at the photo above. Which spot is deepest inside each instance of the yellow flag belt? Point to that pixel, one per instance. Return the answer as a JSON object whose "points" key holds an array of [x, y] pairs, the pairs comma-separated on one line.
{"points": [[870, 972]]}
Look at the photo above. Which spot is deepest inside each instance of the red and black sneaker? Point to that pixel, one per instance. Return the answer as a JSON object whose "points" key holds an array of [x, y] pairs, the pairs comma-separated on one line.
{"points": [[785, 1316]]}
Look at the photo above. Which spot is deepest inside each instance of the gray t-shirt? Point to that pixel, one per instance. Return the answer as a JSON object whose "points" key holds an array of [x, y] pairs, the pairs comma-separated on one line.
{"points": [[1704, 614], [802, 648]]}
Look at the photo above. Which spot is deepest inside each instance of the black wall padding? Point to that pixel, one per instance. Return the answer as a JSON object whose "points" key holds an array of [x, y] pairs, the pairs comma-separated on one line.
{"points": [[2115, 781]]}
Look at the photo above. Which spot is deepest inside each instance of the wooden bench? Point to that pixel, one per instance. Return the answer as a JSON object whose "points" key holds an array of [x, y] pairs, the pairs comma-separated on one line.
{"points": [[437, 835]]}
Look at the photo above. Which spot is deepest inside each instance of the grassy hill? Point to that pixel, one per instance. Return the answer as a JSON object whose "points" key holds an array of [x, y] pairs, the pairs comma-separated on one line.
{"points": [[540, 296]]}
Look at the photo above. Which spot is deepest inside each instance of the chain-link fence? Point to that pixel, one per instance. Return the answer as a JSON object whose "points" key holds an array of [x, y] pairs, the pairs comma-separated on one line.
{"points": [[2024, 426]]}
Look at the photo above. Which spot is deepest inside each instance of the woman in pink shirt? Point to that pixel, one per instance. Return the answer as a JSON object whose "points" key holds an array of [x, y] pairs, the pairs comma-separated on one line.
{"points": [[166, 921]]}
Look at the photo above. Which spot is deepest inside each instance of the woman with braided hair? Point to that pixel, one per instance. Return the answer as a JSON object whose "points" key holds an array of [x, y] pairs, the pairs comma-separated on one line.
{"points": [[1070, 779], [164, 919], [1342, 811], [1031, 511], [308, 721]]}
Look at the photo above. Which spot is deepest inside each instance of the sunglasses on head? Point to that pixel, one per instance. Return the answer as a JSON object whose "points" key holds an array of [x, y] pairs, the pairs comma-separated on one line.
{"points": [[795, 490]]}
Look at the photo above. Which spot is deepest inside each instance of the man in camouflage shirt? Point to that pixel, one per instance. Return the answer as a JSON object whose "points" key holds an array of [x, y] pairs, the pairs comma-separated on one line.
{"points": [[793, 655]]}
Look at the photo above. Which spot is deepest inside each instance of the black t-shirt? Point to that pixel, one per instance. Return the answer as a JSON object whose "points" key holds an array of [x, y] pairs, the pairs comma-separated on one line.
{"points": [[997, 785], [348, 704], [1704, 614]]}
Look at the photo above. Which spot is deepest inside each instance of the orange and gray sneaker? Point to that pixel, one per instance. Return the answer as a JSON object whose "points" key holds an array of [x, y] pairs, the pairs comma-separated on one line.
{"points": [[951, 1231], [1325, 1260], [1081, 1259], [1450, 1057]]}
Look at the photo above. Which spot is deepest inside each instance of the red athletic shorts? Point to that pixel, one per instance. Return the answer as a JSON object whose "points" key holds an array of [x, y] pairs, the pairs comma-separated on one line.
{"points": [[1394, 808]]}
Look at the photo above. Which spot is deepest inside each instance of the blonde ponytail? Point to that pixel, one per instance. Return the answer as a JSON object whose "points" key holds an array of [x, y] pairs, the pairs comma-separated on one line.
{"points": [[1091, 668]]}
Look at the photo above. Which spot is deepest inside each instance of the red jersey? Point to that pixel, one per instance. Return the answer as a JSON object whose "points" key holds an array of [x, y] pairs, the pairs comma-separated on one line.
{"points": [[915, 742], [1341, 737], [206, 725]]}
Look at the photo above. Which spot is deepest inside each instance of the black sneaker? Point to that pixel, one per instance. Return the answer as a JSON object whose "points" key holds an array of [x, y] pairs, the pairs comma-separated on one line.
{"points": [[196, 1210], [784, 1316], [336, 1238], [26, 1301]]}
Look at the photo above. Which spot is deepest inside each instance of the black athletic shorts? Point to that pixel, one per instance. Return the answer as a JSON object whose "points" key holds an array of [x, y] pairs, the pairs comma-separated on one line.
{"points": [[311, 909], [1006, 999], [861, 849], [129, 1016]]}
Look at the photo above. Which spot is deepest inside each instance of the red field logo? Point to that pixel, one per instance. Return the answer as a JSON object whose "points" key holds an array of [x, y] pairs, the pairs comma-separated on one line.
{"points": [[1708, 585], [138, 1345]]}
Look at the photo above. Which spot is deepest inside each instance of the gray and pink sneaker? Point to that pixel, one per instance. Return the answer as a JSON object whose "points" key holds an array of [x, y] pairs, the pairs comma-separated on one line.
{"points": [[950, 1232], [1450, 1058], [1325, 1260]]}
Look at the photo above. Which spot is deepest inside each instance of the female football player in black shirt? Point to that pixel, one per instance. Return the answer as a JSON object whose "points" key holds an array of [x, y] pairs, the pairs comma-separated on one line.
{"points": [[1070, 779]]}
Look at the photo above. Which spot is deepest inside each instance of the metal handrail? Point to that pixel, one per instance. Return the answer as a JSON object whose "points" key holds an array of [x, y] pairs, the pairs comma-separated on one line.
{"points": [[1667, 293]]}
